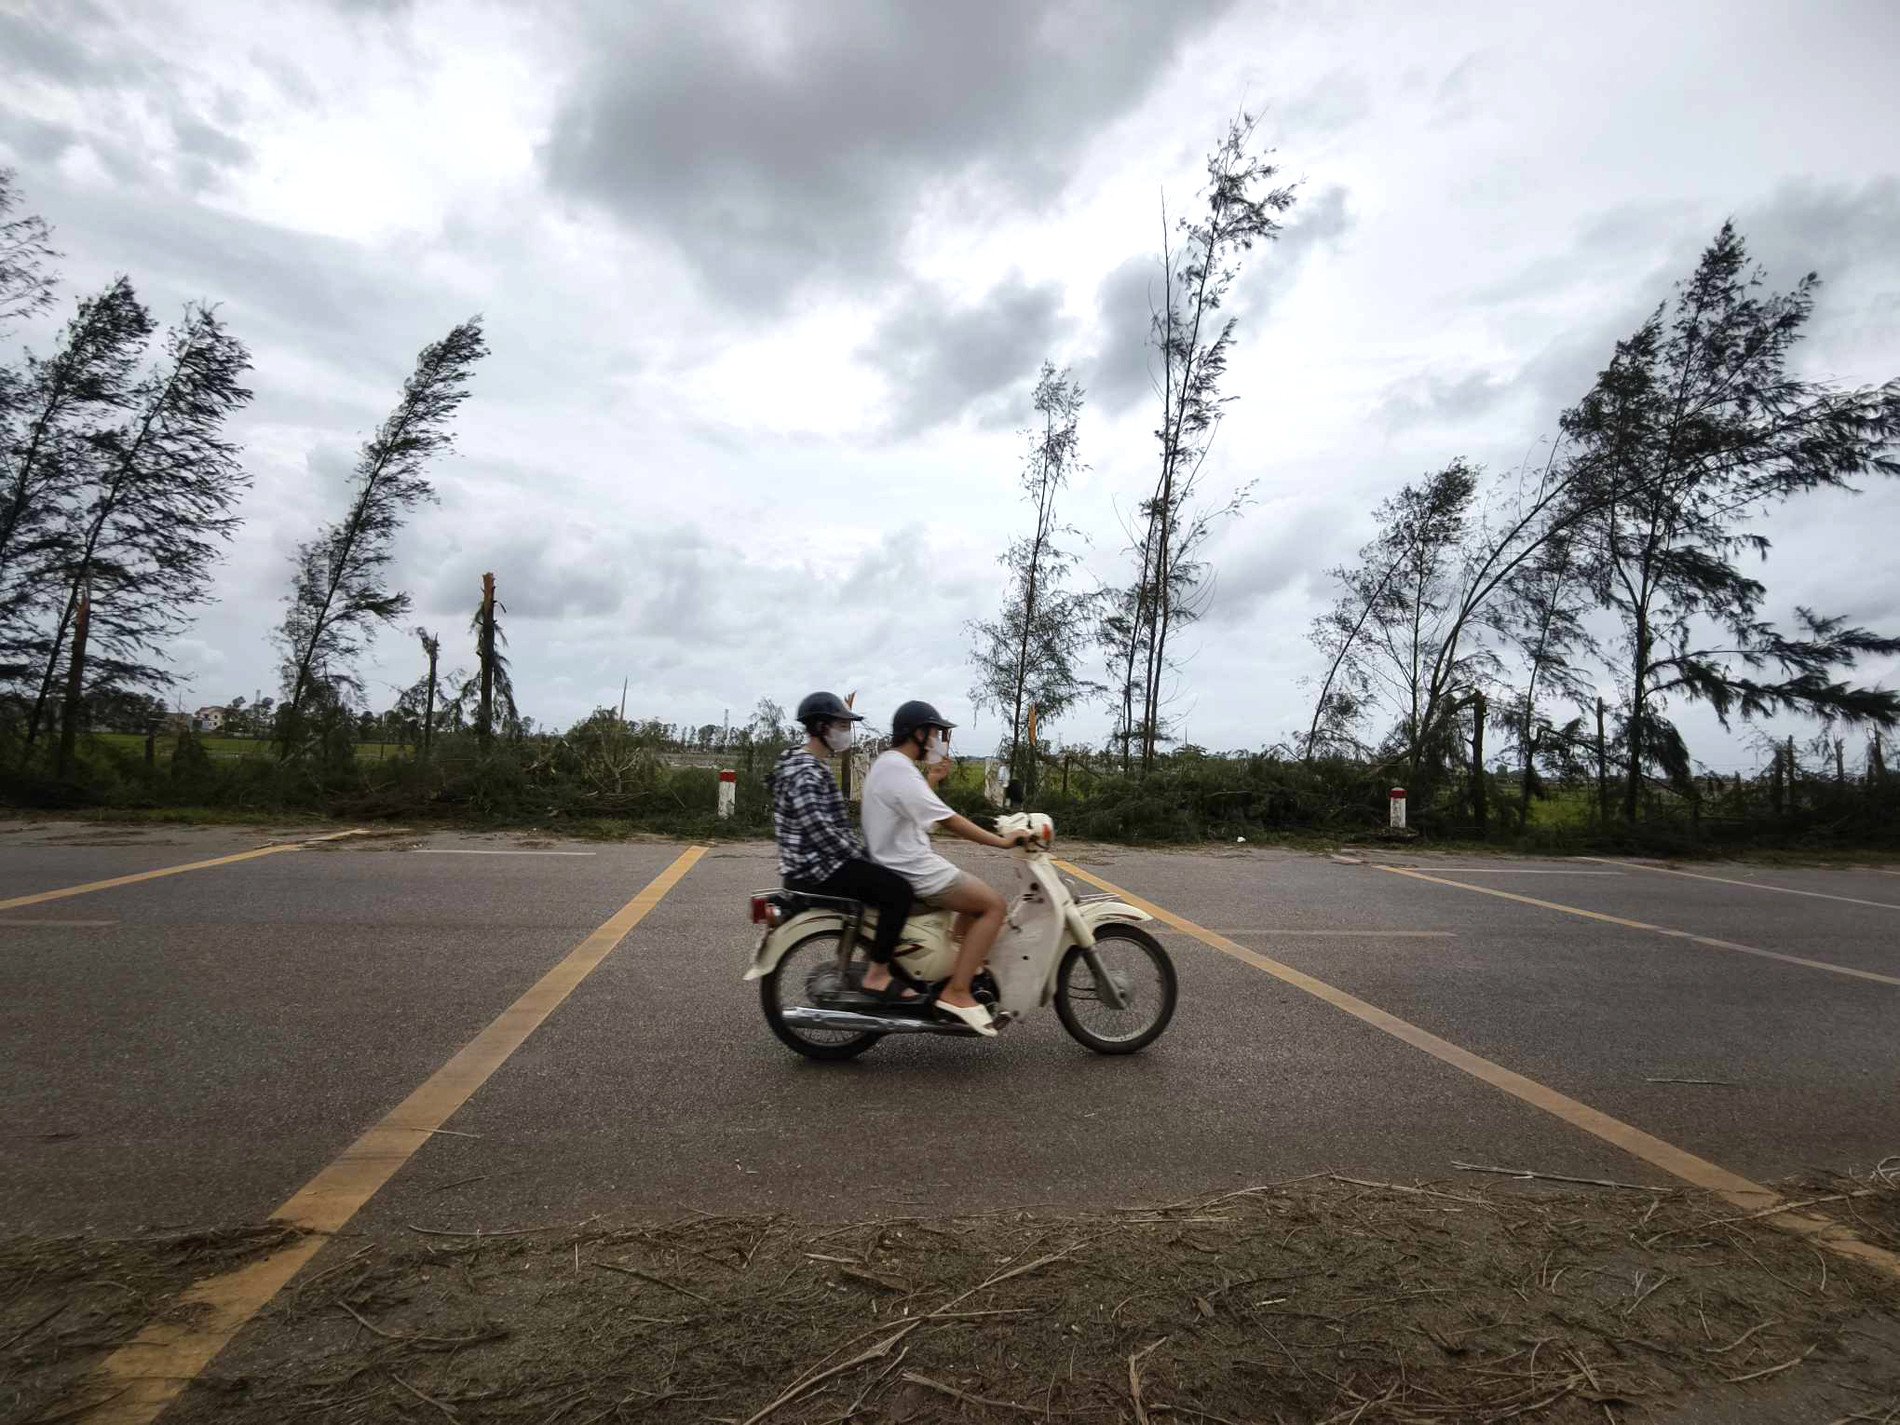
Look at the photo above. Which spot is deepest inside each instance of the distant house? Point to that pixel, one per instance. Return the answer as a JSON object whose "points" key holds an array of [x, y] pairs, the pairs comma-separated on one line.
{"points": [[209, 719]]}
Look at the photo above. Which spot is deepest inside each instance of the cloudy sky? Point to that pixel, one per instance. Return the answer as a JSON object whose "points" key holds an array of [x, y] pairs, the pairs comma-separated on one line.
{"points": [[768, 282]]}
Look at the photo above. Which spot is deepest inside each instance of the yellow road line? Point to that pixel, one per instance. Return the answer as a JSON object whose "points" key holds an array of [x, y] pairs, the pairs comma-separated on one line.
{"points": [[1732, 881], [150, 1371], [59, 922], [1708, 940], [1749, 1196], [42, 897]]}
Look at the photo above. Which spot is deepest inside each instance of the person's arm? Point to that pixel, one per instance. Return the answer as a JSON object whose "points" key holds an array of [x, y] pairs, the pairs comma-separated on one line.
{"points": [[922, 802], [970, 831]]}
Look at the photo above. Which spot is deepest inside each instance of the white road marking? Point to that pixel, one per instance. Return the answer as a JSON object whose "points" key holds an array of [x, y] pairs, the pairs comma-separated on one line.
{"points": [[469, 851], [1751, 885], [1339, 934]]}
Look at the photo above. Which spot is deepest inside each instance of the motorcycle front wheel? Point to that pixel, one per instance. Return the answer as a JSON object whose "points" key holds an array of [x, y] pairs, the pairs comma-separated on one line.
{"points": [[1137, 966], [790, 984]]}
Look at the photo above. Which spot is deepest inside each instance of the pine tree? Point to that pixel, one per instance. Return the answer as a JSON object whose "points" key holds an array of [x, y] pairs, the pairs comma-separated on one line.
{"points": [[339, 595], [1030, 655], [1694, 430], [56, 411], [150, 503]]}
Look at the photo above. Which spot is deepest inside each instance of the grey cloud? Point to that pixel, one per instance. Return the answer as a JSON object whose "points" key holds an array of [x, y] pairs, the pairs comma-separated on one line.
{"points": [[1624, 241], [1851, 236], [702, 622], [779, 143], [317, 294], [71, 42], [1318, 221], [1434, 399], [1337, 102], [37, 141], [1118, 375], [215, 146], [1278, 548], [944, 359]]}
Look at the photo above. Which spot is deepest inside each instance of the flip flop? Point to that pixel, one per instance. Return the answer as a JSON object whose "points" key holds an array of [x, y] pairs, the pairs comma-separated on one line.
{"points": [[975, 1015]]}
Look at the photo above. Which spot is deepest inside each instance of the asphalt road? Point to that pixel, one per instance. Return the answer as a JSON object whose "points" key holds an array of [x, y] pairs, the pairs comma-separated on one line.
{"points": [[191, 1049]]}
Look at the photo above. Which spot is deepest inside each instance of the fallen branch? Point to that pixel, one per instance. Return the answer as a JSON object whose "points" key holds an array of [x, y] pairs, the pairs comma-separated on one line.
{"points": [[650, 1277], [913, 1378], [1724, 1350], [805, 1383], [447, 1410], [1526, 1175], [1772, 1370], [1417, 1191], [418, 1340], [1134, 1380]]}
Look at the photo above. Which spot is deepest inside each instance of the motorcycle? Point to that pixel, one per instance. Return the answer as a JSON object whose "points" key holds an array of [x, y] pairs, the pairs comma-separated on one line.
{"points": [[1111, 982]]}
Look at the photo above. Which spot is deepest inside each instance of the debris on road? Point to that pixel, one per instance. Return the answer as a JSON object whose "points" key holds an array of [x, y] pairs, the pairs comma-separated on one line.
{"points": [[1314, 1299]]}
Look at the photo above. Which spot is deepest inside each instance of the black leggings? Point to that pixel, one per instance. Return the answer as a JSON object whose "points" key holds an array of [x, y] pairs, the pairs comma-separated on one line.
{"points": [[886, 892]]}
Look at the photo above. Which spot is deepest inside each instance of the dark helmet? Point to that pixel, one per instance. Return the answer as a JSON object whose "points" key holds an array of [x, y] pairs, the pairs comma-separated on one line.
{"points": [[824, 707], [913, 715]]}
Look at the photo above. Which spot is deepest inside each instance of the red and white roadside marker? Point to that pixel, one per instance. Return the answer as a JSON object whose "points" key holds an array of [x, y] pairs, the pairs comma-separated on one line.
{"points": [[728, 791], [1396, 819]]}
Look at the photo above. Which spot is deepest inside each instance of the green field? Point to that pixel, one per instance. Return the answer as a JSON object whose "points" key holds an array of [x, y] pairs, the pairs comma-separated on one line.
{"points": [[232, 747]]}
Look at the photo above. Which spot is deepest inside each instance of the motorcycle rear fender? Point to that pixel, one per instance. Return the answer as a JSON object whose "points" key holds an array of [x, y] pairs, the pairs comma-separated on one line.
{"points": [[775, 942]]}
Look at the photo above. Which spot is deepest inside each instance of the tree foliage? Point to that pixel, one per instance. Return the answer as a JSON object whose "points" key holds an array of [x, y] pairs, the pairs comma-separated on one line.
{"points": [[1200, 260], [1694, 430], [147, 505], [1030, 656], [56, 412], [340, 595]]}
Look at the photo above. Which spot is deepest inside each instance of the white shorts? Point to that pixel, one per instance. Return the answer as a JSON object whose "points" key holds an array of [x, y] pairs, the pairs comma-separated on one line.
{"points": [[937, 881]]}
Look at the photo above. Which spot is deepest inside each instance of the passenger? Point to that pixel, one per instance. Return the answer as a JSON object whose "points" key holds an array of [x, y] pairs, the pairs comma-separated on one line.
{"points": [[818, 852]]}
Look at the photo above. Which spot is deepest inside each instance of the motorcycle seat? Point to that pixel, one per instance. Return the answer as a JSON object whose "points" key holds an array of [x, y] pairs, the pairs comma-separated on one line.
{"points": [[792, 902]]}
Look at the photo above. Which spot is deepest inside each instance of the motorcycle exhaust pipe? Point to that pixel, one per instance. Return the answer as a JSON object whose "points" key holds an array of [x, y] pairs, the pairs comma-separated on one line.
{"points": [[805, 1017]]}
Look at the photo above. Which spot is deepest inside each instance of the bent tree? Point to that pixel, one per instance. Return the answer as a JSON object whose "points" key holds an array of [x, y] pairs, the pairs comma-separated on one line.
{"points": [[1692, 432], [339, 594]]}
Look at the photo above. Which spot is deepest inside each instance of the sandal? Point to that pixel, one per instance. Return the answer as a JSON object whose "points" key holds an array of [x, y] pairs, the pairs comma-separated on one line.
{"points": [[974, 1015]]}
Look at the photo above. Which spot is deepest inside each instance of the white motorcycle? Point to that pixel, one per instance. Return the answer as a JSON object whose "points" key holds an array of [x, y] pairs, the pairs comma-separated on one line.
{"points": [[1111, 981]]}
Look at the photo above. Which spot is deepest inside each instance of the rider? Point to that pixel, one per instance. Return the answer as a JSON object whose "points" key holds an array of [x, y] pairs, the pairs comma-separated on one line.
{"points": [[901, 806], [818, 853]]}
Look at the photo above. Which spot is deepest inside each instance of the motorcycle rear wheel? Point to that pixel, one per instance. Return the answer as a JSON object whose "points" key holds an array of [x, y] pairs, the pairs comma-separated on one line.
{"points": [[1134, 957], [785, 987]]}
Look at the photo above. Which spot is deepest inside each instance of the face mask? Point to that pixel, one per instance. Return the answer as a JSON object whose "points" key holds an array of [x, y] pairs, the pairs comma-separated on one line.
{"points": [[838, 737], [934, 750]]}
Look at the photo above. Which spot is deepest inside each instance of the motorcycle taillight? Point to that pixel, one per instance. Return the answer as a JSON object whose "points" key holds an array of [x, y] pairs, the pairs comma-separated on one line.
{"points": [[761, 910]]}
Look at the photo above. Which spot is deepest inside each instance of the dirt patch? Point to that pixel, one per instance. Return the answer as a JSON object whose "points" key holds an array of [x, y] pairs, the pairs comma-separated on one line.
{"points": [[66, 1301], [1326, 1299]]}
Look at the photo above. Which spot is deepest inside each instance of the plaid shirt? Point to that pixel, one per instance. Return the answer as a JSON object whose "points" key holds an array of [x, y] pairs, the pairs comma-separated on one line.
{"points": [[808, 815]]}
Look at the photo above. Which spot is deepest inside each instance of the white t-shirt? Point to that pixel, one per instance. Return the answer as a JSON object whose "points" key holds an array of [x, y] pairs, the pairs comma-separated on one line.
{"points": [[900, 807]]}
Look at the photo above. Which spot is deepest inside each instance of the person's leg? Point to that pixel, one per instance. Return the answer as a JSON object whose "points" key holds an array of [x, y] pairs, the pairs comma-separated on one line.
{"points": [[890, 895], [984, 910]]}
